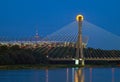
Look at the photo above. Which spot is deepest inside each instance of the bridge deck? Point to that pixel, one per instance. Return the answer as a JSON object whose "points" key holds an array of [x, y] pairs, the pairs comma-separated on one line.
{"points": [[92, 59]]}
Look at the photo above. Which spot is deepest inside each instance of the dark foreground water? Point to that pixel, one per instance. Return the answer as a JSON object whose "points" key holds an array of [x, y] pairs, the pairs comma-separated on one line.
{"points": [[62, 75]]}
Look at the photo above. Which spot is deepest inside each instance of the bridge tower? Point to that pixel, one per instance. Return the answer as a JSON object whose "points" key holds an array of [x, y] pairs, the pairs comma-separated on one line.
{"points": [[36, 37], [79, 48], [36, 34]]}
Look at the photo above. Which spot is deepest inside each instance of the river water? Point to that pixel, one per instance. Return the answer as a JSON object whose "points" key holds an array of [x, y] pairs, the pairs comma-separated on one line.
{"points": [[61, 75]]}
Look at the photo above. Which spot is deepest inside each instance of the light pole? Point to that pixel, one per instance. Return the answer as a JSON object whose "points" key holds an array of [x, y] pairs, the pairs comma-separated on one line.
{"points": [[79, 50]]}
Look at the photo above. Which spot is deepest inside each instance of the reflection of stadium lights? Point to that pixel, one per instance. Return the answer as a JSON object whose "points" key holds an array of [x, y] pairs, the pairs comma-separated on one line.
{"points": [[79, 18]]}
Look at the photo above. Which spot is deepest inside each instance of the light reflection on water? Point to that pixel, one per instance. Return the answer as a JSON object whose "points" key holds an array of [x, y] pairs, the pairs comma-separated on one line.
{"points": [[62, 75], [78, 75], [91, 75]]}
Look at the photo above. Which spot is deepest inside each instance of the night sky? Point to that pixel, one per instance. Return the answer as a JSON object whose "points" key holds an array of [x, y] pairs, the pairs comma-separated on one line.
{"points": [[20, 18]]}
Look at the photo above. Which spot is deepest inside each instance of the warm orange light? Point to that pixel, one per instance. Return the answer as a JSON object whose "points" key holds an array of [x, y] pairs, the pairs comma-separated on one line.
{"points": [[79, 18]]}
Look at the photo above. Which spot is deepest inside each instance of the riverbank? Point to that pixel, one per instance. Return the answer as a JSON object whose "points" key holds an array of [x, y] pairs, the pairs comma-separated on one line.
{"points": [[17, 67], [35, 66]]}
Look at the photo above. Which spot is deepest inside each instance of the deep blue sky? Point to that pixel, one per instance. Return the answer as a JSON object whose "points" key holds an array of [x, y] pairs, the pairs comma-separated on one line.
{"points": [[21, 17]]}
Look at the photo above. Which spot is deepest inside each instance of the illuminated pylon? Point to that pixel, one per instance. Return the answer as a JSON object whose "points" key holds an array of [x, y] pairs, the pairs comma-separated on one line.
{"points": [[79, 50]]}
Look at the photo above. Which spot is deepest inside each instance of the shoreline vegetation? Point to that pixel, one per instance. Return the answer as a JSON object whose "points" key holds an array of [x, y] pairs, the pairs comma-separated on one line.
{"points": [[14, 57]]}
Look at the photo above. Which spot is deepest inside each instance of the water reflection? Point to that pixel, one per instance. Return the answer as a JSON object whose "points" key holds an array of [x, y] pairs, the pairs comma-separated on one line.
{"points": [[78, 74], [113, 77], [46, 75], [62, 75], [67, 74], [90, 74]]}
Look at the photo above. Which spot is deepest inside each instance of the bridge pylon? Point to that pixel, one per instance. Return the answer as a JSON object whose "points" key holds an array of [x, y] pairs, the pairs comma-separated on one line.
{"points": [[79, 47]]}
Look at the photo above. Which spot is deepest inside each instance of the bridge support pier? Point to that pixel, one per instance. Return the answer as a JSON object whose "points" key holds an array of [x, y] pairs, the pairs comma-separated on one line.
{"points": [[83, 62], [79, 62]]}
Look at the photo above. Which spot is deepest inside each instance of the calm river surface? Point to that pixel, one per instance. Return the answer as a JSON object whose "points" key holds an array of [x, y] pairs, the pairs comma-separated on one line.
{"points": [[62, 75]]}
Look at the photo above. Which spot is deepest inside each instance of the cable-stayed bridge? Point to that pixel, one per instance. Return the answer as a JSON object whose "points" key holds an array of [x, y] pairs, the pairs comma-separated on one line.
{"points": [[67, 38], [94, 36], [67, 53]]}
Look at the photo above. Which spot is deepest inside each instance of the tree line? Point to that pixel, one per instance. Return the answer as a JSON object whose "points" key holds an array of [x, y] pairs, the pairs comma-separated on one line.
{"points": [[15, 55]]}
